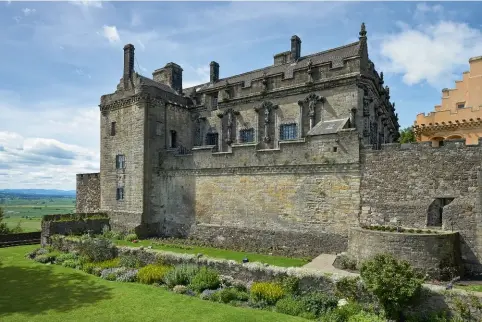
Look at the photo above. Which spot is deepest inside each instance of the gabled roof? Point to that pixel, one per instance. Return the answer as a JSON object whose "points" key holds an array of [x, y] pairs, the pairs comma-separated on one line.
{"points": [[149, 82], [335, 56]]}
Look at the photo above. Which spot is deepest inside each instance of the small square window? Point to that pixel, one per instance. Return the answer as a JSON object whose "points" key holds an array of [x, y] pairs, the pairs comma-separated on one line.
{"points": [[288, 131], [112, 128], [460, 105], [212, 139], [335, 149], [120, 193], [120, 161], [246, 135]]}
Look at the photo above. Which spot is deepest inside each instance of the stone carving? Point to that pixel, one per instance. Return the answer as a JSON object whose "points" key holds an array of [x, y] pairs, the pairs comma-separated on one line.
{"points": [[267, 107], [310, 71], [363, 31], [230, 124], [312, 101], [264, 81]]}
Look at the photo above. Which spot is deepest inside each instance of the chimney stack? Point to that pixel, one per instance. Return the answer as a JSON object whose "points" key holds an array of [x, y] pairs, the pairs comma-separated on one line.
{"points": [[214, 72], [170, 75], [128, 63], [295, 48]]}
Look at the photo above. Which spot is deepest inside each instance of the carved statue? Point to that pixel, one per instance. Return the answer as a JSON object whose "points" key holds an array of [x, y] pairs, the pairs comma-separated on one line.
{"points": [[312, 106], [266, 114], [363, 31]]}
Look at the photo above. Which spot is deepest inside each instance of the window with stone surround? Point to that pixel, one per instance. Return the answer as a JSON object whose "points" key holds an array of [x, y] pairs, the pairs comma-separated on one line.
{"points": [[120, 193], [288, 131], [461, 105], [214, 102], [246, 135], [120, 161], [112, 128], [173, 140], [212, 139]]}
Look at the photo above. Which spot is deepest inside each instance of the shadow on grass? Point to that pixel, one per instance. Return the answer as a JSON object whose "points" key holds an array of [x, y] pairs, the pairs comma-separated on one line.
{"points": [[34, 290]]}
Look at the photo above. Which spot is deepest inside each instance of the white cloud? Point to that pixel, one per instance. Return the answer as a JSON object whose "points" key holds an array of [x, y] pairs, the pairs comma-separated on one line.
{"points": [[110, 32], [28, 11], [431, 52]]}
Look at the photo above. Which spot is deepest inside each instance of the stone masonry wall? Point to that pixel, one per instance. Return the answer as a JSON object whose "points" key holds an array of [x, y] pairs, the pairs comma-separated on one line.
{"points": [[430, 253], [88, 193], [400, 183]]}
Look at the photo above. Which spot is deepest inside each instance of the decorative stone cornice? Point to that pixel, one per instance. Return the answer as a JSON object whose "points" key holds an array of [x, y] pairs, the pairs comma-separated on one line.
{"points": [[261, 170], [125, 102], [450, 126], [289, 91]]}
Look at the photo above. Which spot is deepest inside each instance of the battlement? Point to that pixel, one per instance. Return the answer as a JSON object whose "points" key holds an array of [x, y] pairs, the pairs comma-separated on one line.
{"points": [[417, 146], [88, 175]]}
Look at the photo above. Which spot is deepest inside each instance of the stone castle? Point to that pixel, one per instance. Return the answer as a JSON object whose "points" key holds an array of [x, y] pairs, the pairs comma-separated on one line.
{"points": [[287, 159]]}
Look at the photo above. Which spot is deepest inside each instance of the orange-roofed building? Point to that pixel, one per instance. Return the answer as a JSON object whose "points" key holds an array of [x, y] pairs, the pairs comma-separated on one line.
{"points": [[460, 114]]}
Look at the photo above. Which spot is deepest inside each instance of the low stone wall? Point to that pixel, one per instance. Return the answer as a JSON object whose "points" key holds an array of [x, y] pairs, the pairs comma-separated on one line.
{"points": [[433, 299], [284, 243], [434, 254], [72, 224], [19, 239]]}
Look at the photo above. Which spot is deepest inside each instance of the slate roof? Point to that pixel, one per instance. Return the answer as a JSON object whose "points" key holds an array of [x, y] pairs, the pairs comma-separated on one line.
{"points": [[149, 82], [328, 127], [335, 56]]}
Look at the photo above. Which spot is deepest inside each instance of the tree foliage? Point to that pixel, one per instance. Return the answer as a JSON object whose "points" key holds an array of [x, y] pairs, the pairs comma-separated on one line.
{"points": [[3, 226], [407, 135], [395, 283]]}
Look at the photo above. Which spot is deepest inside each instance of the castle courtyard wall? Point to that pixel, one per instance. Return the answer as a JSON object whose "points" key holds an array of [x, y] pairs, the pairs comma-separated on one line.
{"points": [[400, 183], [87, 193]]}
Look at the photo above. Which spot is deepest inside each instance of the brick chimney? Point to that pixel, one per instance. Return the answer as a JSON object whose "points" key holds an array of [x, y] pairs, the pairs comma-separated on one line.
{"points": [[128, 64], [170, 75], [295, 48], [213, 72]]}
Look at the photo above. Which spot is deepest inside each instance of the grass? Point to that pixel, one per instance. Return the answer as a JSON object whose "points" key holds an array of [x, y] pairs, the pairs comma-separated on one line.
{"points": [[36, 292], [471, 288], [15, 209], [219, 253]]}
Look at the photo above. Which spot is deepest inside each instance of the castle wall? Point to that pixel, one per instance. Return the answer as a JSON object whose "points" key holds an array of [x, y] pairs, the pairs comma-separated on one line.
{"points": [[402, 183], [88, 193]]}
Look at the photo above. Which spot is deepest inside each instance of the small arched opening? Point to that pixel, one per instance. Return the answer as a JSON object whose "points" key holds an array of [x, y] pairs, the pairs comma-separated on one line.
{"points": [[435, 211], [455, 137], [437, 141]]}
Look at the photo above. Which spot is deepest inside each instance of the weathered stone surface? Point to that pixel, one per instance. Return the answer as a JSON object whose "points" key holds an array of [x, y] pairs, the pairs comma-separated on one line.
{"points": [[88, 193], [433, 254]]}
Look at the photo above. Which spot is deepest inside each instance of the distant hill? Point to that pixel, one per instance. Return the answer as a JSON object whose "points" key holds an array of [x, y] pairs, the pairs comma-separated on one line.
{"points": [[38, 192]]}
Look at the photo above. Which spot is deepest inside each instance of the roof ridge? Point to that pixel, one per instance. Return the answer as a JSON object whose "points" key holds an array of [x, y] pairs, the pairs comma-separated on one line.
{"points": [[272, 66]]}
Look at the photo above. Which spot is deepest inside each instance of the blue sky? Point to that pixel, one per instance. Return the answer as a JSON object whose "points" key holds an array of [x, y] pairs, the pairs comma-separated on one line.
{"points": [[58, 58]]}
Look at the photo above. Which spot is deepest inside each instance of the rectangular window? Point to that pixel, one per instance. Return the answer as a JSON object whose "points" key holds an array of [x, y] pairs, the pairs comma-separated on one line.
{"points": [[112, 129], [212, 139], [120, 193], [288, 132], [173, 139], [120, 161], [214, 102], [460, 105], [246, 135]]}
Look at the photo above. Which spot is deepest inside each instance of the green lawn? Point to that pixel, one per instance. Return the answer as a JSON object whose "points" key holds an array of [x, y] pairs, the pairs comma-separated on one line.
{"points": [[27, 225], [35, 292], [472, 288], [220, 253]]}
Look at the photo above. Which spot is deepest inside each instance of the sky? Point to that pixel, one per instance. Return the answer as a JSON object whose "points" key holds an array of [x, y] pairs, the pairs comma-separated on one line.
{"points": [[58, 58]]}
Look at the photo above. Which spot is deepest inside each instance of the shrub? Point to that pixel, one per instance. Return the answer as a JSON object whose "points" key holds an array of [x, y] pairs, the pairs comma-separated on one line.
{"points": [[43, 259], [209, 295], [179, 289], [37, 251], [91, 268], [290, 306], [351, 288], [152, 274], [72, 263], [230, 294], [66, 256], [393, 282], [126, 275], [110, 263], [205, 279], [109, 274], [290, 284], [130, 237], [363, 316], [317, 302], [97, 249], [180, 275], [129, 260], [269, 292]]}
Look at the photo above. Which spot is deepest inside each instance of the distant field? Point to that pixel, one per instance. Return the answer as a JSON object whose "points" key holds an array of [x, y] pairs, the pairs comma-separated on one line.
{"points": [[17, 209]]}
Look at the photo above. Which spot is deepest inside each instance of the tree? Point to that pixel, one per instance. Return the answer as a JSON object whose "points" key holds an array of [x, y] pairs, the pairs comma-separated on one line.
{"points": [[407, 135], [3, 226], [395, 283]]}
